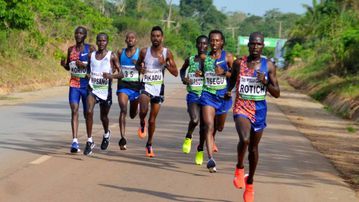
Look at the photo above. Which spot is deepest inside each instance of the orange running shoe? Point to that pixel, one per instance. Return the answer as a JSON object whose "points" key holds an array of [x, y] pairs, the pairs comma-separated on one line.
{"points": [[238, 180], [248, 195], [215, 148], [149, 151], [141, 132]]}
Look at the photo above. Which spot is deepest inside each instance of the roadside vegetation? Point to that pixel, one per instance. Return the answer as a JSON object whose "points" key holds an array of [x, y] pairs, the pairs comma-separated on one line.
{"points": [[322, 51]]}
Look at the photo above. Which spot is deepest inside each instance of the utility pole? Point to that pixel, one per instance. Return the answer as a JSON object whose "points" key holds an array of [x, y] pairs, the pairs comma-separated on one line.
{"points": [[169, 21], [233, 30], [280, 30]]}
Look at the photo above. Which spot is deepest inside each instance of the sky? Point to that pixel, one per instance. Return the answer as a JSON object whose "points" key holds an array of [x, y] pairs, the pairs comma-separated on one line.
{"points": [[259, 7]]}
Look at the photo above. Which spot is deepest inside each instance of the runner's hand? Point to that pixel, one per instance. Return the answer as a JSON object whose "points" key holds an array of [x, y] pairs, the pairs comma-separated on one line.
{"points": [[198, 73], [228, 95], [161, 59], [80, 64], [107, 75], [142, 69], [186, 81], [261, 77], [63, 62]]}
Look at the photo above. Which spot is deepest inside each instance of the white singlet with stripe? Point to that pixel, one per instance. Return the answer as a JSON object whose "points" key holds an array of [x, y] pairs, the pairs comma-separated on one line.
{"points": [[100, 85], [153, 77]]}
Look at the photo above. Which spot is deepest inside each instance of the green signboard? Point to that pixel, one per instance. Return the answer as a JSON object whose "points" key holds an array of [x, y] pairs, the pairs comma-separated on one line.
{"points": [[268, 42]]}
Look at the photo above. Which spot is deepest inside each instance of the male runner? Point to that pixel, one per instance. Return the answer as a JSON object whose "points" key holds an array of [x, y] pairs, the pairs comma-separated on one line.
{"points": [[76, 63], [151, 64], [213, 100], [102, 63], [253, 76], [194, 83], [129, 86]]}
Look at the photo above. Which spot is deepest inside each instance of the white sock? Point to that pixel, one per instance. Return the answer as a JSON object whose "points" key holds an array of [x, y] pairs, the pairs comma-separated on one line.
{"points": [[75, 140], [89, 139], [106, 135]]}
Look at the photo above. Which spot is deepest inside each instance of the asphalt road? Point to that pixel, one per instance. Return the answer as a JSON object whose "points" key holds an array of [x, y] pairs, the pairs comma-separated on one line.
{"points": [[36, 164]]}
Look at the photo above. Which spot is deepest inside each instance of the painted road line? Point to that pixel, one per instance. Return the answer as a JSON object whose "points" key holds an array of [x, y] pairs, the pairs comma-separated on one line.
{"points": [[40, 160]]}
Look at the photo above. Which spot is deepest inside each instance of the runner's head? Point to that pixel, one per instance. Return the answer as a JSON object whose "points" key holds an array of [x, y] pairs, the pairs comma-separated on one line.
{"points": [[131, 39], [156, 36], [202, 44], [256, 43], [80, 34], [101, 41], [216, 40]]}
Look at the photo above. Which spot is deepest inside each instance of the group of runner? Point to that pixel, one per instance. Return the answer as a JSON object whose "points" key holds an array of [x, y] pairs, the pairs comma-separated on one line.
{"points": [[210, 75]]}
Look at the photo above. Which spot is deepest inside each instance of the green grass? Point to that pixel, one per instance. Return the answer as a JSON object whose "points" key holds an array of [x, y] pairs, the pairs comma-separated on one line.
{"points": [[2, 97], [352, 129]]}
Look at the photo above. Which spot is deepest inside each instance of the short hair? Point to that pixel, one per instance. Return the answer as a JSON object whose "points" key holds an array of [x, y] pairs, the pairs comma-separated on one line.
{"points": [[200, 37], [157, 28], [215, 31], [255, 34], [83, 28], [102, 34], [131, 32]]}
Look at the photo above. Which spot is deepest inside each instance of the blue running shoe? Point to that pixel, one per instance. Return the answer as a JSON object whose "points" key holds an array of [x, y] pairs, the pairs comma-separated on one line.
{"points": [[211, 165], [75, 147]]}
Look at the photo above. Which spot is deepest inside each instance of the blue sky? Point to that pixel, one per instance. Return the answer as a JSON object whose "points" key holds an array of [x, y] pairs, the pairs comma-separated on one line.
{"points": [[259, 7]]}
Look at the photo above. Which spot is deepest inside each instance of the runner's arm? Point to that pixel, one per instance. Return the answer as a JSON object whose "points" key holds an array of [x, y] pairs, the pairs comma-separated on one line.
{"points": [[272, 83], [229, 59], [171, 65], [183, 72], [115, 68], [140, 62], [64, 63], [233, 78]]}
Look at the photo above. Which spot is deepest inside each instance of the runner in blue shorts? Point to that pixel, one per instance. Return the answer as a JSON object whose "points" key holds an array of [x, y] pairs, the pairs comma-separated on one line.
{"points": [[213, 100], [194, 81], [76, 63], [129, 86], [253, 76]]}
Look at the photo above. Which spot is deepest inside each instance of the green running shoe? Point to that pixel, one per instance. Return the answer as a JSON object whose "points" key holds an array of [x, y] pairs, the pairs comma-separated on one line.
{"points": [[186, 147], [199, 158]]}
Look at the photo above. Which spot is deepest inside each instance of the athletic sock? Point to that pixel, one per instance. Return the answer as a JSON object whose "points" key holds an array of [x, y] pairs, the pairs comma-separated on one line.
{"points": [[189, 136], [75, 140], [106, 135], [89, 139]]}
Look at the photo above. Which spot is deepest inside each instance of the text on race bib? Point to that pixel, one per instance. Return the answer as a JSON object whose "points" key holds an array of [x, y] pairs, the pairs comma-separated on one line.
{"points": [[252, 89], [130, 73], [195, 81], [76, 71], [153, 77], [98, 81], [214, 80]]}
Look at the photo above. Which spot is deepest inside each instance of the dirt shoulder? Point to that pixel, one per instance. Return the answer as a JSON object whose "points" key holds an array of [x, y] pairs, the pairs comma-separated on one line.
{"points": [[337, 139]]}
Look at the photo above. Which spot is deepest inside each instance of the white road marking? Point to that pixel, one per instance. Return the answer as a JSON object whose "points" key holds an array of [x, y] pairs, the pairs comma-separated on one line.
{"points": [[41, 159]]}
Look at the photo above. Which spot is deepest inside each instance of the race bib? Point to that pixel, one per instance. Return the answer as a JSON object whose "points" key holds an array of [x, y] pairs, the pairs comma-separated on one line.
{"points": [[251, 89], [76, 71], [98, 82], [153, 77], [213, 80], [195, 81], [129, 73]]}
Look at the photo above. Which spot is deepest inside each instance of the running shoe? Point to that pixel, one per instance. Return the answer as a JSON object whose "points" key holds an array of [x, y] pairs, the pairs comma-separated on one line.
{"points": [[186, 147], [211, 165], [105, 141], [75, 147], [215, 148], [199, 158], [238, 180], [89, 147], [149, 151], [122, 143], [141, 132], [248, 195]]}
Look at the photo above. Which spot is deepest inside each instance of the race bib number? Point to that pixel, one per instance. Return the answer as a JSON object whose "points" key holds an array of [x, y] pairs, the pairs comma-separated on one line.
{"points": [[129, 73], [98, 82], [153, 77], [76, 71], [213, 80], [251, 89], [195, 81]]}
